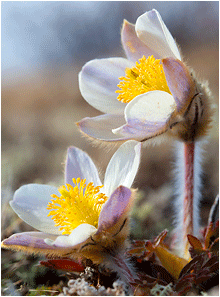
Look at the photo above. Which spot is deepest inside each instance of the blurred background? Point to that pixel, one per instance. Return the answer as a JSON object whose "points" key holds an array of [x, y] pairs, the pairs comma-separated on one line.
{"points": [[44, 46]]}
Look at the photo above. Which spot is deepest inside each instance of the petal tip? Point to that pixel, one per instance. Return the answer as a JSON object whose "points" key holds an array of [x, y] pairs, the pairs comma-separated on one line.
{"points": [[82, 123], [151, 13], [126, 24], [168, 60], [71, 149], [4, 243], [123, 190]]}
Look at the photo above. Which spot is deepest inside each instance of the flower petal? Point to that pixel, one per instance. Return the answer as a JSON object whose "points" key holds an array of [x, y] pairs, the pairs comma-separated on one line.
{"points": [[179, 82], [152, 31], [100, 127], [98, 82], [28, 239], [30, 203], [133, 46], [122, 167], [129, 131], [117, 206], [78, 237], [147, 115], [36, 243], [79, 164]]}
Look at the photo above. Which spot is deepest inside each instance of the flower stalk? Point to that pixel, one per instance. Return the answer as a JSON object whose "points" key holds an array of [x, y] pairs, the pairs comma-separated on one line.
{"points": [[188, 209], [189, 193], [122, 265]]}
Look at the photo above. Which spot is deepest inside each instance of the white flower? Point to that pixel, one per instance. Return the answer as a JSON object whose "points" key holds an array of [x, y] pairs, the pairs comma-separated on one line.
{"points": [[157, 91], [88, 216]]}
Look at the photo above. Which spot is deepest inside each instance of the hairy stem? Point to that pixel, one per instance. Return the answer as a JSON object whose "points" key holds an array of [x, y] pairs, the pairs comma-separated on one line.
{"points": [[189, 194], [188, 203], [124, 270]]}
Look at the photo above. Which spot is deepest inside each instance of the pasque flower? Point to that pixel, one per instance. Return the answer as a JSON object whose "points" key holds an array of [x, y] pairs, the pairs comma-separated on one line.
{"points": [[149, 93], [146, 94], [83, 218]]}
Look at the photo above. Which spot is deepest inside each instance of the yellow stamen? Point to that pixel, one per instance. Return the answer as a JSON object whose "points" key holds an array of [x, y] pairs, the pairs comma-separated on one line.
{"points": [[147, 75], [76, 205]]}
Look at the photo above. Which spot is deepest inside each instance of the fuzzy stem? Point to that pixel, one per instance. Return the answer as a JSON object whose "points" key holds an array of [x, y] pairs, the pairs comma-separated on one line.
{"points": [[124, 270], [189, 194], [188, 203]]}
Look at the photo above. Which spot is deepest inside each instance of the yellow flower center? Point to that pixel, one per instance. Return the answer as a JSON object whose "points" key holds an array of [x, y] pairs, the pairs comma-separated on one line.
{"points": [[76, 205], [147, 75]]}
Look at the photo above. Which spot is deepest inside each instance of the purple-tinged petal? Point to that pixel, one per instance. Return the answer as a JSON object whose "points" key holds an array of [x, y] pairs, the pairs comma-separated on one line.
{"points": [[77, 237], [100, 127], [29, 240], [79, 164], [180, 82], [117, 206], [123, 166], [147, 115], [36, 243], [133, 46], [129, 131], [98, 82], [30, 204], [152, 31]]}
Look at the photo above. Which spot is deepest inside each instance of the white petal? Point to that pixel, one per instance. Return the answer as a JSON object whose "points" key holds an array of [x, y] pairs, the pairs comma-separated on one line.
{"points": [[122, 167], [100, 127], [150, 108], [147, 115], [30, 203], [98, 82], [79, 164], [151, 30], [78, 236], [133, 46]]}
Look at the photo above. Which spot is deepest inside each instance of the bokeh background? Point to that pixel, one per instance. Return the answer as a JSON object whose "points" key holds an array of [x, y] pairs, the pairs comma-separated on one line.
{"points": [[44, 46]]}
